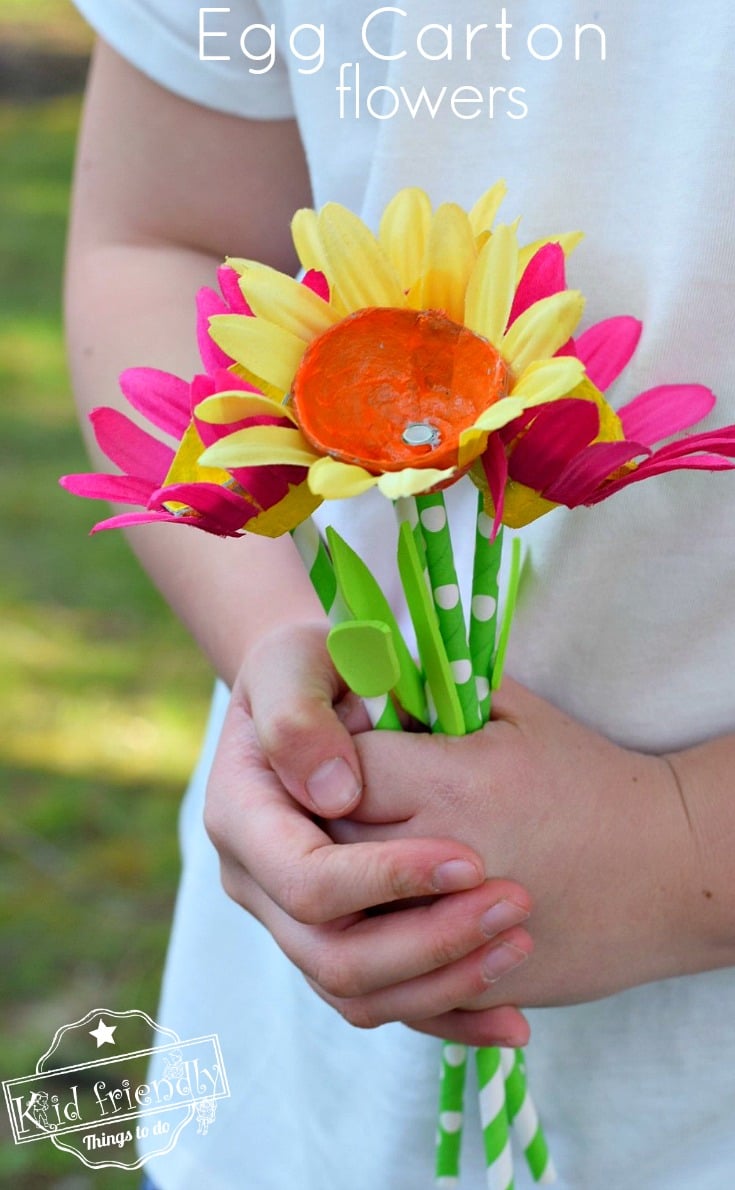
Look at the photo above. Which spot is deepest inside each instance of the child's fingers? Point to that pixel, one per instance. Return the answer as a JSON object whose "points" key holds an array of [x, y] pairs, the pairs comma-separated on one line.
{"points": [[504, 1026], [290, 688], [363, 955], [437, 992], [261, 833], [411, 964]]}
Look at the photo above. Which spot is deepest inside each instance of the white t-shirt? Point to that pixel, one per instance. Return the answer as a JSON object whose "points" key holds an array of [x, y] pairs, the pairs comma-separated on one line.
{"points": [[626, 618]]}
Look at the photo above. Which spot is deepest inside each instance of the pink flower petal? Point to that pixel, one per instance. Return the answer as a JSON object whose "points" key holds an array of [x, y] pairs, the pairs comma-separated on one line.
{"points": [[592, 466], [544, 275], [665, 410], [267, 486], [229, 283], [161, 397], [210, 303], [129, 519], [131, 449], [317, 283], [121, 489], [607, 347], [556, 435], [721, 441], [219, 506], [655, 466]]}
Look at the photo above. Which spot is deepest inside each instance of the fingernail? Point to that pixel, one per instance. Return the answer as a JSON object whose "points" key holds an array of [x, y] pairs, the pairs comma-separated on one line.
{"points": [[333, 786], [501, 960], [501, 917], [454, 876]]}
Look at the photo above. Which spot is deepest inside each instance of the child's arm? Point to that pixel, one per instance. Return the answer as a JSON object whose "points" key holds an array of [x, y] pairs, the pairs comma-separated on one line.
{"points": [[164, 189]]}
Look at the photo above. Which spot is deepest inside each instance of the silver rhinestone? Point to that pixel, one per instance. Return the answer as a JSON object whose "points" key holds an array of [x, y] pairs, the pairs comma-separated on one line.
{"points": [[420, 433]]}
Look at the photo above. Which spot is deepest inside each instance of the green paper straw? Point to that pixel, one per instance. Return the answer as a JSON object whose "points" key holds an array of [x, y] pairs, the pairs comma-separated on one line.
{"points": [[445, 590], [484, 608], [408, 513], [523, 1117], [318, 564], [494, 1120], [382, 713], [451, 1114]]}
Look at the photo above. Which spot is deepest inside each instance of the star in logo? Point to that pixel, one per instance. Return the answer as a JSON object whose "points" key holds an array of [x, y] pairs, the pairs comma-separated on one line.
{"points": [[103, 1033]]}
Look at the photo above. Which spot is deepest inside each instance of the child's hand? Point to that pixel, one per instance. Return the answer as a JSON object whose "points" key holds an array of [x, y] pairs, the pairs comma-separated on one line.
{"points": [[413, 964], [598, 834]]}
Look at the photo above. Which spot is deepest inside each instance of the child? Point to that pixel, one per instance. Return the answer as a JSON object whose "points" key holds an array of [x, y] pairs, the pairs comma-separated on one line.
{"points": [[605, 792]]}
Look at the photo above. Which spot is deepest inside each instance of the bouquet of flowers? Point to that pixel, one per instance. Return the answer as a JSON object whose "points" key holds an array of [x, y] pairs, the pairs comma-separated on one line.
{"points": [[439, 350]]}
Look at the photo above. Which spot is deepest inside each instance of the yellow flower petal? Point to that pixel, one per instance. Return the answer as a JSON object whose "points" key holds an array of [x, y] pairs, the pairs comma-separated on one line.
{"points": [[357, 265], [333, 480], [472, 443], [611, 427], [187, 467], [411, 481], [404, 231], [225, 408], [547, 380], [307, 241], [311, 252], [542, 329], [281, 518], [260, 446], [522, 505], [568, 242], [482, 215], [267, 352], [491, 287], [494, 418], [285, 302], [450, 258]]}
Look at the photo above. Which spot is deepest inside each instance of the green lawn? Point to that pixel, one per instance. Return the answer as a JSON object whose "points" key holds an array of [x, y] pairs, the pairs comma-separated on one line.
{"points": [[53, 22], [103, 697]]}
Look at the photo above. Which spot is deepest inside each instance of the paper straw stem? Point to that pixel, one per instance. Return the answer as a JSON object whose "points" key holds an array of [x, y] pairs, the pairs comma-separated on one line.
{"points": [[494, 1119], [484, 608], [383, 714], [524, 1119], [408, 513], [447, 600], [451, 1114], [318, 564]]}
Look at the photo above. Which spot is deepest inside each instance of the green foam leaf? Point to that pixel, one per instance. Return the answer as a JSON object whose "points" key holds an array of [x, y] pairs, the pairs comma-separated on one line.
{"points": [[511, 599], [364, 655], [363, 596]]}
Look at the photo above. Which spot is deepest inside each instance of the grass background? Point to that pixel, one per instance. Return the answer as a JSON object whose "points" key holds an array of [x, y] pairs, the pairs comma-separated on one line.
{"points": [[103, 697]]}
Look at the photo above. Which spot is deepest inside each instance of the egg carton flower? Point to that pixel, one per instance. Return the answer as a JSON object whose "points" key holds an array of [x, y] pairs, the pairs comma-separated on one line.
{"points": [[166, 482], [397, 376], [579, 450]]}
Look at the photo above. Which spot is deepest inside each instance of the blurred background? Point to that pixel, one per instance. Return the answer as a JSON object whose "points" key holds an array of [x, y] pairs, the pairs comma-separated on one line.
{"points": [[103, 697]]}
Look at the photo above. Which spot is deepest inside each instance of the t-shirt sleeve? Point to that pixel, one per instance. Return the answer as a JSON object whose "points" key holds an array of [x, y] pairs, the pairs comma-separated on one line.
{"points": [[195, 51]]}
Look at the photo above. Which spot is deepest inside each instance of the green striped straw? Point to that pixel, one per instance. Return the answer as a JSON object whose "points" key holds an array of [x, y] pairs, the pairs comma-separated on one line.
{"points": [[523, 1117], [407, 511], [315, 556], [447, 600], [451, 1114], [494, 1119], [484, 606]]}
